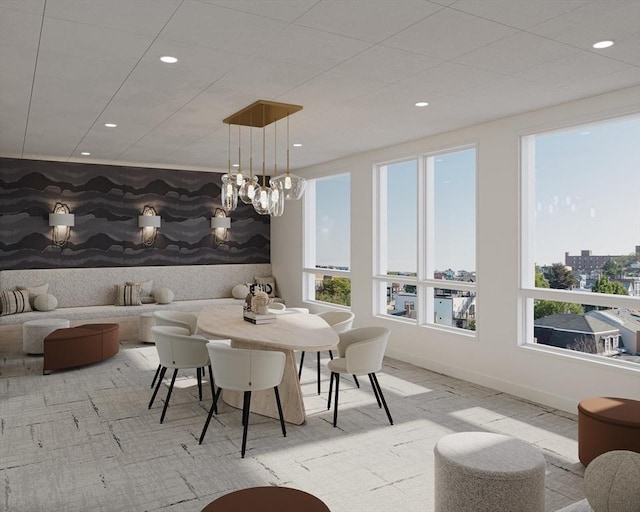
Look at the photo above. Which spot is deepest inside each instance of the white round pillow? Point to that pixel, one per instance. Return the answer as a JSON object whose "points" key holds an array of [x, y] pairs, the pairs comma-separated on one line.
{"points": [[240, 291], [163, 296], [45, 302], [611, 482]]}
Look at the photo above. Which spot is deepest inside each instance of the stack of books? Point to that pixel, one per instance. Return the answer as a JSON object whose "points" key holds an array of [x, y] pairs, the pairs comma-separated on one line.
{"points": [[254, 318]]}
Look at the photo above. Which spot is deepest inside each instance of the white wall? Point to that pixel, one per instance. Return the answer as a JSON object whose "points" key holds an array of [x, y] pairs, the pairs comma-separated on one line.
{"points": [[494, 358]]}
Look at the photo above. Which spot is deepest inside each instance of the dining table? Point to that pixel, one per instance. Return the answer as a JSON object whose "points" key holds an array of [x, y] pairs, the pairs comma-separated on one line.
{"points": [[290, 331]]}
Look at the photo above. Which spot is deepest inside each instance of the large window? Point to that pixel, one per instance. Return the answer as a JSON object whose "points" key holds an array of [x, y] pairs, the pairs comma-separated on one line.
{"points": [[426, 227], [327, 240], [581, 229]]}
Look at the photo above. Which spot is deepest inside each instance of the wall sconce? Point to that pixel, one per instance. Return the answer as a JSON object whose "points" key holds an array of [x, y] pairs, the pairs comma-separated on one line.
{"points": [[220, 224], [61, 221], [149, 222]]}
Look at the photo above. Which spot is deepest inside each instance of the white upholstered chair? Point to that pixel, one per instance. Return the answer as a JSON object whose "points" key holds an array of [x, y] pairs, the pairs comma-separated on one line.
{"points": [[360, 352], [277, 306], [182, 319], [245, 370], [177, 349], [340, 321]]}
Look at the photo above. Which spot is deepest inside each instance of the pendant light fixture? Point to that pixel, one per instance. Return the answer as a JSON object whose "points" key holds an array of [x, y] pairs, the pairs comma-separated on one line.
{"points": [[229, 190], [267, 199]]}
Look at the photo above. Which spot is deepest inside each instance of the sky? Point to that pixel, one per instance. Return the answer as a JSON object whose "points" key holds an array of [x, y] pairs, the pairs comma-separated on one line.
{"points": [[587, 197], [588, 191]]}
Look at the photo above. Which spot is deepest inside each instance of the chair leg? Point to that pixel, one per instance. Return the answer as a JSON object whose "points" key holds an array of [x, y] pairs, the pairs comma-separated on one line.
{"points": [[155, 392], [199, 374], [384, 402], [245, 420], [156, 375], [318, 358], [355, 379], [212, 383], [330, 355], [330, 391], [284, 430], [301, 361], [214, 407], [335, 406], [166, 403], [375, 390]]}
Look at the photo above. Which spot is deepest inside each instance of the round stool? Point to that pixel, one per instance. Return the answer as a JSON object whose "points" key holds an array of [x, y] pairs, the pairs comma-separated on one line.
{"points": [[147, 321], [486, 472], [606, 424], [267, 499], [35, 331]]}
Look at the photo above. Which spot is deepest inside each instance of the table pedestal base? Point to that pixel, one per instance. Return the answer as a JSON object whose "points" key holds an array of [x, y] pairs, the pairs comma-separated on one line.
{"points": [[264, 402]]}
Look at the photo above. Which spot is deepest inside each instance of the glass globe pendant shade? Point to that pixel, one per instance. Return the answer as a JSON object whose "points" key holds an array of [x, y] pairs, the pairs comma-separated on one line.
{"points": [[248, 190], [262, 200], [229, 193], [291, 185], [277, 199]]}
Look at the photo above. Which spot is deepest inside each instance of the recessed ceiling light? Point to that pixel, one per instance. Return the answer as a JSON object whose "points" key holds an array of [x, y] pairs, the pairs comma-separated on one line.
{"points": [[585, 133], [168, 59], [297, 145], [422, 104], [85, 153], [110, 125], [602, 44], [235, 165]]}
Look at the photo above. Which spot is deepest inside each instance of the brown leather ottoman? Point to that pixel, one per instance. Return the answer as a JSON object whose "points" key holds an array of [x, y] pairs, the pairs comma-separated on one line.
{"points": [[267, 499], [81, 345], [606, 424]]}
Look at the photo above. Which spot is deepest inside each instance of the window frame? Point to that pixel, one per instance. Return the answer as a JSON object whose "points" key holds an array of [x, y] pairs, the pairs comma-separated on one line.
{"points": [[527, 292], [425, 227], [309, 270]]}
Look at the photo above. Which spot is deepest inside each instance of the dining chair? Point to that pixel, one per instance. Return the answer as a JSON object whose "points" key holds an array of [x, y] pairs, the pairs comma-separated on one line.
{"points": [[177, 349], [277, 306], [245, 370], [360, 351], [182, 319], [340, 321]]}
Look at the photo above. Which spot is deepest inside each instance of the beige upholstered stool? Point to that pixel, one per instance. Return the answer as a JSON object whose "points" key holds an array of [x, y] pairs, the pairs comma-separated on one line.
{"points": [[147, 321], [486, 472], [35, 331]]}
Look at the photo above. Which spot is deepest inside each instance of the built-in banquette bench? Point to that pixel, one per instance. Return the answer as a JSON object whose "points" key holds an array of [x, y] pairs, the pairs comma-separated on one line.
{"points": [[89, 294]]}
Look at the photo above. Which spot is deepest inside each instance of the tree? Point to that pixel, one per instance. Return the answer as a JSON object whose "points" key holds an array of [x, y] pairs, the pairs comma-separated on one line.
{"points": [[336, 290], [541, 281], [560, 277], [542, 308], [604, 285], [612, 268]]}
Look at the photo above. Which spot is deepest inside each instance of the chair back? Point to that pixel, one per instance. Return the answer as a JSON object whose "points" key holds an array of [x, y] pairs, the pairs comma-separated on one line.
{"points": [[363, 349], [239, 369], [341, 321], [178, 349], [277, 306], [177, 319]]}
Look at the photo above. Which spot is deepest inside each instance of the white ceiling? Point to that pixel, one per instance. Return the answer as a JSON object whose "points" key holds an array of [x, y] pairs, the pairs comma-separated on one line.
{"points": [[357, 67]]}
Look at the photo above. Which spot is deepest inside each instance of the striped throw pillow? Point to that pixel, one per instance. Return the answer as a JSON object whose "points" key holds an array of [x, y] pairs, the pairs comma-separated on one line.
{"points": [[128, 295], [14, 302]]}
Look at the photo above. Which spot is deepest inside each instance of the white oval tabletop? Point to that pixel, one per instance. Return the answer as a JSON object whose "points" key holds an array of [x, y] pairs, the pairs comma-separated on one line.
{"points": [[290, 331]]}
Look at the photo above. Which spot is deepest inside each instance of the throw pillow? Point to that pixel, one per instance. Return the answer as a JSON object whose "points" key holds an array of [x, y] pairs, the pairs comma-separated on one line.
{"points": [[163, 296], [146, 297], [128, 295], [267, 284], [34, 291], [240, 291], [611, 482], [45, 302], [14, 302]]}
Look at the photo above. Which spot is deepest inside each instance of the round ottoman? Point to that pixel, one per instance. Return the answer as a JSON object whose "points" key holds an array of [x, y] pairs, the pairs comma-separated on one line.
{"points": [[267, 499], [35, 331], [486, 472], [606, 424], [146, 322]]}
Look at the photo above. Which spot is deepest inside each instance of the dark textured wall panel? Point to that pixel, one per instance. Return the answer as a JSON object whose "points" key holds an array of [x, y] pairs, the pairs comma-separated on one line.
{"points": [[106, 201]]}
